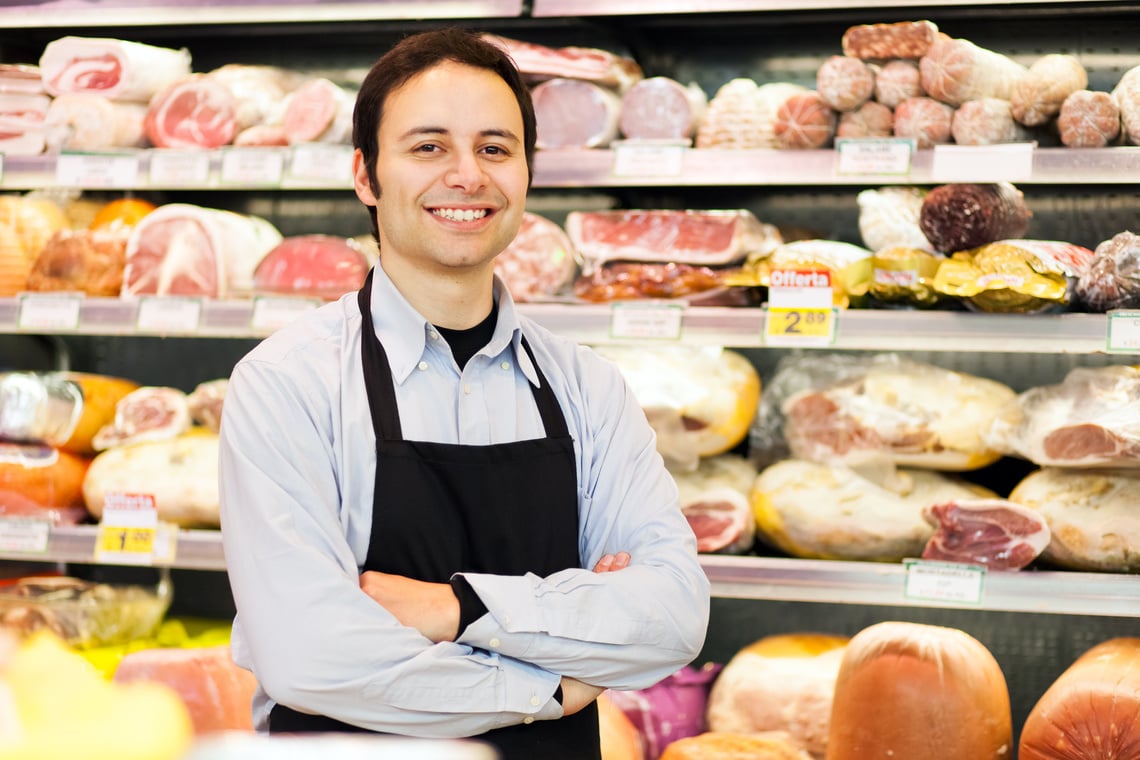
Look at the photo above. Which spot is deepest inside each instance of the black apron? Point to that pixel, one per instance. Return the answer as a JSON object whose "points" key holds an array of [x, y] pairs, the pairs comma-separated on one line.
{"points": [[442, 508]]}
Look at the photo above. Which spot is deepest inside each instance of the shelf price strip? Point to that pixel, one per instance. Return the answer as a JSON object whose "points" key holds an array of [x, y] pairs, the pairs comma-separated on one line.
{"points": [[800, 311], [49, 312], [646, 320], [1123, 332], [129, 531], [951, 582]]}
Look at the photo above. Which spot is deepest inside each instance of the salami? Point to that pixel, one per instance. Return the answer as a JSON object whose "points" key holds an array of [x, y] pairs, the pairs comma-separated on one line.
{"points": [[903, 39], [924, 119], [1089, 120], [960, 216], [868, 120], [804, 121], [1127, 95], [845, 83], [955, 70], [896, 81], [1038, 95], [986, 122], [1112, 280]]}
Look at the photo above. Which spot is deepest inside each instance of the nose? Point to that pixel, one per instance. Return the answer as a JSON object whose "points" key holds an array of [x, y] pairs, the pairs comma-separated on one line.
{"points": [[466, 172]]}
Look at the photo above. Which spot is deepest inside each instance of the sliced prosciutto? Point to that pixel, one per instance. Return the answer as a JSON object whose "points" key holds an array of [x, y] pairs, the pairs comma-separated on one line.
{"points": [[116, 69], [150, 413], [194, 112], [996, 533]]}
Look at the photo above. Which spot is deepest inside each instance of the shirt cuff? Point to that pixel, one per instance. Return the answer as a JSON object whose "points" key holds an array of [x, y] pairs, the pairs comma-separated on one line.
{"points": [[471, 607]]}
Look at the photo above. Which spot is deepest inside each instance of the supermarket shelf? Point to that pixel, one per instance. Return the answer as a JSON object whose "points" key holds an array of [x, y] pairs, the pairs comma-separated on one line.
{"points": [[639, 7], [114, 13], [194, 549], [802, 580]]}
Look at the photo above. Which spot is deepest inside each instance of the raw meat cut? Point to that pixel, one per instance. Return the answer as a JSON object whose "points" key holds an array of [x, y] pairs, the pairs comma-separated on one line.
{"points": [[924, 119], [193, 112], [987, 121], [21, 79], [804, 121], [186, 250], [260, 91], [262, 135], [903, 39], [896, 81], [960, 216], [319, 111], [888, 218], [206, 401], [321, 266], [1051, 79], [23, 131], [41, 482], [742, 114], [1112, 280], [714, 499], [844, 83], [623, 281], [117, 69], [956, 70], [88, 261], [538, 62], [84, 121], [1127, 96], [868, 120], [539, 262], [150, 413], [660, 108], [994, 533], [1089, 120], [572, 113]]}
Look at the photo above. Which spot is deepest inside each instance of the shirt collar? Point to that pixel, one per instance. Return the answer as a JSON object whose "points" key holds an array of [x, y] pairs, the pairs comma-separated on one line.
{"points": [[403, 331]]}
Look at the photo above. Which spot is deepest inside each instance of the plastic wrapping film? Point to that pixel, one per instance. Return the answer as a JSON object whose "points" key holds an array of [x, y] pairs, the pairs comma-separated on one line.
{"points": [[1112, 279]]}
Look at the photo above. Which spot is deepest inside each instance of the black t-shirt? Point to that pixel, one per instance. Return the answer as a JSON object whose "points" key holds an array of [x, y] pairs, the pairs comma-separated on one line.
{"points": [[466, 343]]}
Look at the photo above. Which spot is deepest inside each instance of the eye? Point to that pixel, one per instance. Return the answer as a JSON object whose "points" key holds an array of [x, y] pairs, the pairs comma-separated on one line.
{"points": [[496, 150], [426, 148]]}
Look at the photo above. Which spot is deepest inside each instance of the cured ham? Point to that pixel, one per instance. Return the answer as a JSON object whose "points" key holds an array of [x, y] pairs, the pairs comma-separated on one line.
{"points": [[538, 62], [206, 401], [116, 69], [571, 113], [193, 112], [714, 500], [321, 266], [149, 413], [995, 533], [261, 91], [660, 108], [539, 262], [84, 121], [319, 111]]}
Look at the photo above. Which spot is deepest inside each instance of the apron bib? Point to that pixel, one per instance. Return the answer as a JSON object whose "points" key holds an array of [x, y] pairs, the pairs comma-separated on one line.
{"points": [[442, 508]]}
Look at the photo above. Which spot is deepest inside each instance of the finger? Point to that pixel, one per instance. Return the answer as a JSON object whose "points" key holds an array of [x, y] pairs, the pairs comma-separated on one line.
{"points": [[621, 560], [605, 564]]}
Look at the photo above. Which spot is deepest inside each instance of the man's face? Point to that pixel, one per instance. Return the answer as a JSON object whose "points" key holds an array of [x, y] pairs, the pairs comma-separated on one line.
{"points": [[451, 169]]}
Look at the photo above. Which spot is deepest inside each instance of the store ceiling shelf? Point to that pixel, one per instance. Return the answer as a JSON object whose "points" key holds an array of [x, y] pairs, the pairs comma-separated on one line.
{"points": [[642, 7], [114, 13]]}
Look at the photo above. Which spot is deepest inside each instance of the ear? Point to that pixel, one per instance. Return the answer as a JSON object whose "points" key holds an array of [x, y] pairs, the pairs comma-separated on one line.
{"points": [[360, 179]]}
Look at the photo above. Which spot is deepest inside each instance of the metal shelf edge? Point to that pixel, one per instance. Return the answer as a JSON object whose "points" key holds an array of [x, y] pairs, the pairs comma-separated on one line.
{"points": [[195, 549]]}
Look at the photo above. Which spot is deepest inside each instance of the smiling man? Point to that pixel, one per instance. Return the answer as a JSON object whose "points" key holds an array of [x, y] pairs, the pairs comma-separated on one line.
{"points": [[440, 519]]}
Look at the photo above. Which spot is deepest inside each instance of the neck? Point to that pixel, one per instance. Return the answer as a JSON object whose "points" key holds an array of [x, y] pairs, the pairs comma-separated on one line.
{"points": [[456, 299]]}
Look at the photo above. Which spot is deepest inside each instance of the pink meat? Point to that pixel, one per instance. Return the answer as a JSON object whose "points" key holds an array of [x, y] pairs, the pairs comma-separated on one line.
{"points": [[571, 113], [174, 256], [722, 521], [868, 120], [539, 262], [319, 110], [924, 119], [195, 112], [1089, 119], [538, 62], [660, 108], [804, 121], [149, 413], [845, 83], [996, 533], [896, 81], [322, 266]]}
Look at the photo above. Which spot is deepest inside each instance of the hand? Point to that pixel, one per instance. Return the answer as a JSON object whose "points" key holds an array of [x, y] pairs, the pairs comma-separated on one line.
{"points": [[611, 562], [430, 608], [576, 695]]}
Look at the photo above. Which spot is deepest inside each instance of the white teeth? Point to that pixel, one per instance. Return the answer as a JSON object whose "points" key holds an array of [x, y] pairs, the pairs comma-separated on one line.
{"points": [[460, 215]]}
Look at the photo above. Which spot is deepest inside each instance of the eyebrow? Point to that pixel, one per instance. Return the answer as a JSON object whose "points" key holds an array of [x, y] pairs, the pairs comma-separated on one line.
{"points": [[430, 130]]}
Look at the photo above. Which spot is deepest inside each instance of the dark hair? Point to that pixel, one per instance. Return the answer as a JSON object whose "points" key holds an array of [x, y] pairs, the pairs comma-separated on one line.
{"points": [[416, 54]]}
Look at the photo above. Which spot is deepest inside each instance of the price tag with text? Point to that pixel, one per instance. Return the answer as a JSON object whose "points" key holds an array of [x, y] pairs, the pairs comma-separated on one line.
{"points": [[800, 310], [635, 319], [252, 166], [944, 581], [168, 314], [888, 155], [97, 170], [1124, 331], [127, 529], [648, 159], [24, 535], [179, 167], [273, 312], [321, 162], [49, 311]]}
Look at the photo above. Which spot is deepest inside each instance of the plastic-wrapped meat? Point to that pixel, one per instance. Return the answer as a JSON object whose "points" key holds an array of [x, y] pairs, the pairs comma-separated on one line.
{"points": [[319, 111], [868, 120], [988, 121], [845, 83], [539, 262], [205, 403], [804, 121], [1112, 280], [262, 135], [956, 70], [320, 266], [83, 121], [888, 218], [150, 413], [41, 482], [1089, 120], [903, 39], [660, 108], [714, 500], [194, 112], [631, 280], [1038, 95], [23, 129], [994, 533], [1127, 96], [1014, 276], [924, 119], [959, 216], [742, 114], [89, 261], [571, 113], [538, 62], [116, 69], [896, 81]]}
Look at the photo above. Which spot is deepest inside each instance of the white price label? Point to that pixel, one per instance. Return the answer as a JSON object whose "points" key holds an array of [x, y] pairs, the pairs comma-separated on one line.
{"points": [[49, 311], [634, 159], [800, 289], [127, 529], [168, 314], [24, 536], [252, 166], [1008, 162], [1124, 331], [273, 312], [97, 170], [886, 156], [179, 167], [322, 163], [944, 581], [661, 321]]}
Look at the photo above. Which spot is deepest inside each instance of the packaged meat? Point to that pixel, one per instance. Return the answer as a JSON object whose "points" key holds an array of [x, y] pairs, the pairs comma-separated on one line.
{"points": [[1021, 276], [89, 122], [956, 70], [987, 121], [671, 709], [117, 69], [877, 408], [780, 683], [1089, 120], [539, 262], [1112, 279], [31, 220], [925, 120], [1127, 96], [260, 91], [714, 500], [868, 120], [41, 483], [910, 690], [193, 112], [1092, 517], [897, 80], [572, 113], [804, 121], [960, 216], [627, 281], [23, 123], [1037, 97], [742, 114], [86, 261], [181, 474], [206, 401], [319, 111], [699, 399], [149, 413], [849, 265], [538, 63], [888, 218], [321, 266], [871, 514], [902, 39], [995, 533], [725, 746], [903, 276], [62, 409], [660, 108], [1092, 710], [844, 82]]}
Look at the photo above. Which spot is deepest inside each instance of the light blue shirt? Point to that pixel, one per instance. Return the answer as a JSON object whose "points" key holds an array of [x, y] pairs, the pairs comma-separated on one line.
{"points": [[298, 461]]}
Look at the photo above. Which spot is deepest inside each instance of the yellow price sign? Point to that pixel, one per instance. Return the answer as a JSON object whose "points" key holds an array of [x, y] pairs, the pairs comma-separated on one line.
{"points": [[800, 326], [122, 540]]}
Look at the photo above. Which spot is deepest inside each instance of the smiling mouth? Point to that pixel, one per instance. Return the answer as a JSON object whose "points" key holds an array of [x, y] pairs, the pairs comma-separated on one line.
{"points": [[460, 214]]}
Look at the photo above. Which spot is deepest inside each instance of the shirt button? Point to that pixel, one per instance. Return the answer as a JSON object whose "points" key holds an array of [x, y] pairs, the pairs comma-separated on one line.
{"points": [[433, 335], [494, 643], [507, 619], [467, 389], [423, 365], [505, 365], [535, 701], [528, 720]]}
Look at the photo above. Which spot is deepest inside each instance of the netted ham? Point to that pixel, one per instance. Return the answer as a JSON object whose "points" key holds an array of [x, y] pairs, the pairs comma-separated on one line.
{"points": [[1127, 96], [804, 121], [193, 112], [925, 120], [742, 114], [117, 69], [319, 111], [959, 216], [988, 121], [995, 533], [205, 403], [84, 121], [714, 500], [660, 108], [1037, 96], [903, 39], [1089, 120], [1112, 280], [320, 266], [571, 113], [844, 83], [181, 249], [23, 131], [896, 81], [956, 70], [538, 63], [88, 261], [150, 413], [868, 120], [539, 262]]}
